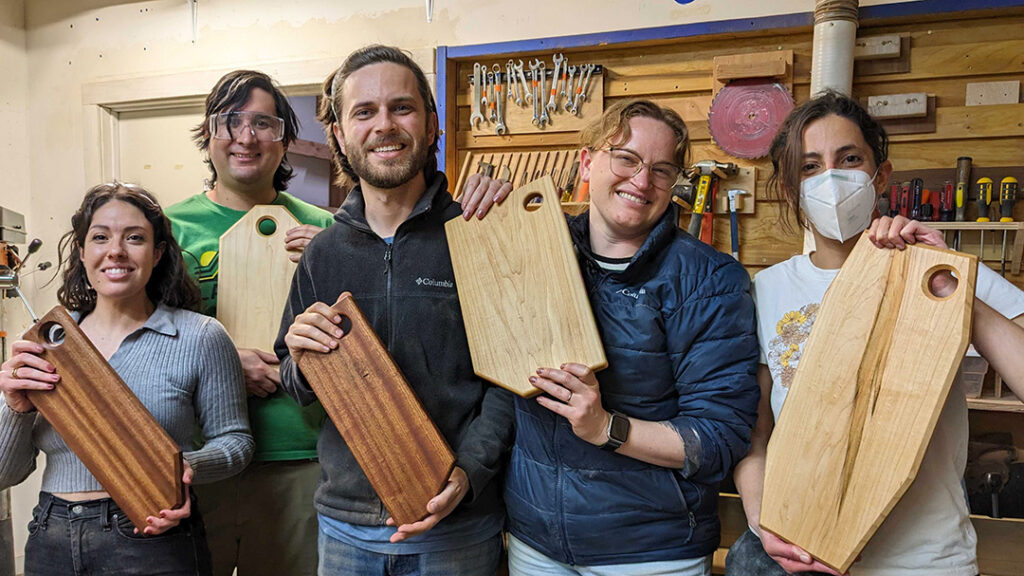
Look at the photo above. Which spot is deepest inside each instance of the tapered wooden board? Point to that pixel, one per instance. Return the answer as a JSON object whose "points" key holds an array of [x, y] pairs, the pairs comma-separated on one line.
{"points": [[254, 277], [395, 442], [522, 295], [869, 388], [105, 424]]}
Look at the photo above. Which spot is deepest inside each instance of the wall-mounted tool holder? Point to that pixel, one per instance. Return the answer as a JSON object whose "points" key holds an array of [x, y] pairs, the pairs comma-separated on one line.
{"points": [[569, 96], [886, 54], [523, 167]]}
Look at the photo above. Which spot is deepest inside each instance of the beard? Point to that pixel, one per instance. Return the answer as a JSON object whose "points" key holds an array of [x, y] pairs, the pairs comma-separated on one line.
{"points": [[392, 173]]}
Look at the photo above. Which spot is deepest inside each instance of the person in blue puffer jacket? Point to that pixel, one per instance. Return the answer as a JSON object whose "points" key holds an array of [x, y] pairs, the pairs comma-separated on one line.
{"points": [[617, 472]]}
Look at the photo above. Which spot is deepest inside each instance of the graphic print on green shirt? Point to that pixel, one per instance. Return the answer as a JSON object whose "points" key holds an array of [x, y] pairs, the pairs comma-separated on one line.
{"points": [[281, 428]]}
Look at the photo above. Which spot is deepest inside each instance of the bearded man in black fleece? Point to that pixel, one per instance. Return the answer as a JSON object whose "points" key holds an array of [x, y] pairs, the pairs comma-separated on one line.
{"points": [[388, 248]]}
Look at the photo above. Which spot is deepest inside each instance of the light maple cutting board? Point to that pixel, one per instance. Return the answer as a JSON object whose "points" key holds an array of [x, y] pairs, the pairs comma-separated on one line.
{"points": [[105, 424], [523, 299], [869, 388], [401, 451], [254, 276]]}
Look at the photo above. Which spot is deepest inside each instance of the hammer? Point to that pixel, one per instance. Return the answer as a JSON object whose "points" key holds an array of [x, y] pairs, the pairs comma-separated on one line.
{"points": [[707, 170], [734, 223]]}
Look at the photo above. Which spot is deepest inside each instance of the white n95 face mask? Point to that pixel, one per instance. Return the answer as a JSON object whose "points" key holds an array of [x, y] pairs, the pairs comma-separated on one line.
{"points": [[838, 203]]}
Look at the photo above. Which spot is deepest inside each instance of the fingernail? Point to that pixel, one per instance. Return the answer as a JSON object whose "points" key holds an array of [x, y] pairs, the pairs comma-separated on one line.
{"points": [[540, 370], [533, 379], [162, 515], [337, 318], [805, 558], [562, 366], [337, 334]]}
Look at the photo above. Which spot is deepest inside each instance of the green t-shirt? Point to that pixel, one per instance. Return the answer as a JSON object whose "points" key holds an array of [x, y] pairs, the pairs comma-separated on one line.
{"points": [[281, 428]]}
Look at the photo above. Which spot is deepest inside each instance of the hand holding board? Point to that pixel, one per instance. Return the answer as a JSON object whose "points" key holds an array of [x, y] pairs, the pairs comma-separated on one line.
{"points": [[105, 424], [396, 444]]}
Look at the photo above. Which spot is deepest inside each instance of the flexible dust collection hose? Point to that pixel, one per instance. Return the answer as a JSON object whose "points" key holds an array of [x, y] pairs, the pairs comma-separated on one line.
{"points": [[835, 33]]}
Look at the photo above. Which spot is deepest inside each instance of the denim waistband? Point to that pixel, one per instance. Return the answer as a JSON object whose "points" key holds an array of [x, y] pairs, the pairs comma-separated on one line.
{"points": [[53, 506]]}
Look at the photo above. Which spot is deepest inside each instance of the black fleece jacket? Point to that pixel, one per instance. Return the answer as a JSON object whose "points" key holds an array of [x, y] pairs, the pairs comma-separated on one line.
{"points": [[407, 292]]}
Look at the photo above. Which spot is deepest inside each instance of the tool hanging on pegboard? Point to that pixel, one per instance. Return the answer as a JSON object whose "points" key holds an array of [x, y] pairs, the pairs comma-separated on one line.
{"points": [[550, 98]]}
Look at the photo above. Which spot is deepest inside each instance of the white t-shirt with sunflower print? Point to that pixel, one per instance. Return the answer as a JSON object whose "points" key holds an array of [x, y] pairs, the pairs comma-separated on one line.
{"points": [[929, 532]]}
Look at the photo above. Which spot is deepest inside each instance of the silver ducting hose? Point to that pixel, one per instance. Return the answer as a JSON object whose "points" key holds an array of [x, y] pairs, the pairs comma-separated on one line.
{"points": [[835, 32]]}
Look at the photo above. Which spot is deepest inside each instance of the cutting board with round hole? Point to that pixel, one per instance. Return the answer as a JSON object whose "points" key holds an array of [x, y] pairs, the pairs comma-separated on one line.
{"points": [[401, 451], [523, 299], [105, 424], [254, 276], [869, 387]]}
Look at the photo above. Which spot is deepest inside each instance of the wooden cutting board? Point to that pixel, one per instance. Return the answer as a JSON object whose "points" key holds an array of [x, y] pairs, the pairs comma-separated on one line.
{"points": [[105, 424], [522, 295], [254, 276], [396, 444], [870, 385]]}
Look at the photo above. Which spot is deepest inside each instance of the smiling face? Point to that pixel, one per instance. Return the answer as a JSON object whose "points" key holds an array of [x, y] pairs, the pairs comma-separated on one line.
{"points": [[119, 252], [628, 208], [243, 163], [385, 129]]}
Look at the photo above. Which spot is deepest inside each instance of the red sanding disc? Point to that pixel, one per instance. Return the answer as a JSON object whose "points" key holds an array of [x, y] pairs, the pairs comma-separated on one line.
{"points": [[746, 114]]}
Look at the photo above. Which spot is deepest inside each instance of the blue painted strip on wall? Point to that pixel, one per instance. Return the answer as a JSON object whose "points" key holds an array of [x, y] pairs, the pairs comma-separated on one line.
{"points": [[441, 90], [444, 53]]}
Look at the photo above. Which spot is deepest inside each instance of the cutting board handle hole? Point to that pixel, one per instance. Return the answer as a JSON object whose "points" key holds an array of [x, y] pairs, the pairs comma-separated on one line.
{"points": [[266, 226], [940, 282], [533, 202], [345, 325], [52, 334]]}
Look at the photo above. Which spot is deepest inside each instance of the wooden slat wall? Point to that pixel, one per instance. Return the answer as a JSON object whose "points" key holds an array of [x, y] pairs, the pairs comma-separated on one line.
{"points": [[678, 74]]}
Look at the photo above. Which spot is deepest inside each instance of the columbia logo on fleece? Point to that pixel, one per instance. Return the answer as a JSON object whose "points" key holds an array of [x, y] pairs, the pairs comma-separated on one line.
{"points": [[632, 294], [435, 283]]}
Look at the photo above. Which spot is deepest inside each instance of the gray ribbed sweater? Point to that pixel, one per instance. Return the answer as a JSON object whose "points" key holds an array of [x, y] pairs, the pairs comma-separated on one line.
{"points": [[185, 370]]}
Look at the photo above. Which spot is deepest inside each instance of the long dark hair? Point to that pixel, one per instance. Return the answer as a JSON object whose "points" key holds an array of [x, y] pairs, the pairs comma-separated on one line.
{"points": [[787, 148], [170, 282], [331, 99], [231, 93]]}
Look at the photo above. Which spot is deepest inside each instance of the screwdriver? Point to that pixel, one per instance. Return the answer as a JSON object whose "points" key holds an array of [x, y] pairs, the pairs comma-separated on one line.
{"points": [[946, 203], [963, 179], [916, 191], [984, 187], [1007, 196]]}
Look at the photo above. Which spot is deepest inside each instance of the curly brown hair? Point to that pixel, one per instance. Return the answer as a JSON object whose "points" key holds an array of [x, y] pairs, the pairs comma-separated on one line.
{"points": [[613, 127], [170, 282]]}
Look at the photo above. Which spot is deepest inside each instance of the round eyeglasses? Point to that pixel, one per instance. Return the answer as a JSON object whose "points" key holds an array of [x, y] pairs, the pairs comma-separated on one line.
{"points": [[626, 164]]}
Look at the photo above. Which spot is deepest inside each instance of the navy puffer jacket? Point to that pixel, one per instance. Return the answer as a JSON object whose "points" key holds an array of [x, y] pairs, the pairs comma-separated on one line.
{"points": [[679, 332]]}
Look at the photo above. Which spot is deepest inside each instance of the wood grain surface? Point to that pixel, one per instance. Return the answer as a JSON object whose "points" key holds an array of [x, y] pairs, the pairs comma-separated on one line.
{"points": [[869, 388], [395, 442], [522, 295], [105, 424], [255, 275]]}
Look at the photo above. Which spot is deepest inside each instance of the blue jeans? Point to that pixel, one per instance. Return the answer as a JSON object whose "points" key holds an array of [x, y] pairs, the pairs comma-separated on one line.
{"points": [[95, 537], [747, 558], [340, 559]]}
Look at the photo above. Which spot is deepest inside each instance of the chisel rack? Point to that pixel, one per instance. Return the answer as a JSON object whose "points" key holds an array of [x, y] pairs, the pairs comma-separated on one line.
{"points": [[523, 167]]}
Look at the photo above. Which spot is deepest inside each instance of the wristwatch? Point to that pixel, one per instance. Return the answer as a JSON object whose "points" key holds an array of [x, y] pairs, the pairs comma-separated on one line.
{"points": [[618, 432]]}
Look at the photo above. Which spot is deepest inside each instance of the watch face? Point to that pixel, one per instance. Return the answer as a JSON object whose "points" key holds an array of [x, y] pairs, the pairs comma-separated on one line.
{"points": [[619, 430]]}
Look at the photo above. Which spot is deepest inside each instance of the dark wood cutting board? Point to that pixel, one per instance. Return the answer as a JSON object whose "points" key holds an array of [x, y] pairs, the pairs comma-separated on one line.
{"points": [[105, 424], [396, 444]]}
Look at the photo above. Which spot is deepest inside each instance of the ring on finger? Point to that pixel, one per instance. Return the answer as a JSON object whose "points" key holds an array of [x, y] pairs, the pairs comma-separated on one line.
{"points": [[569, 399], [14, 374]]}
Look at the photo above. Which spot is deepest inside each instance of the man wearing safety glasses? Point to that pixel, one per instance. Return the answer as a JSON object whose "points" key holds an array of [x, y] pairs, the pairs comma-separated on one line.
{"points": [[261, 521]]}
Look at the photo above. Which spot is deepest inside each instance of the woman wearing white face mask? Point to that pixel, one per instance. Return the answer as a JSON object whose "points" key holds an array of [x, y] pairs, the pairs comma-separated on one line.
{"points": [[830, 163]]}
